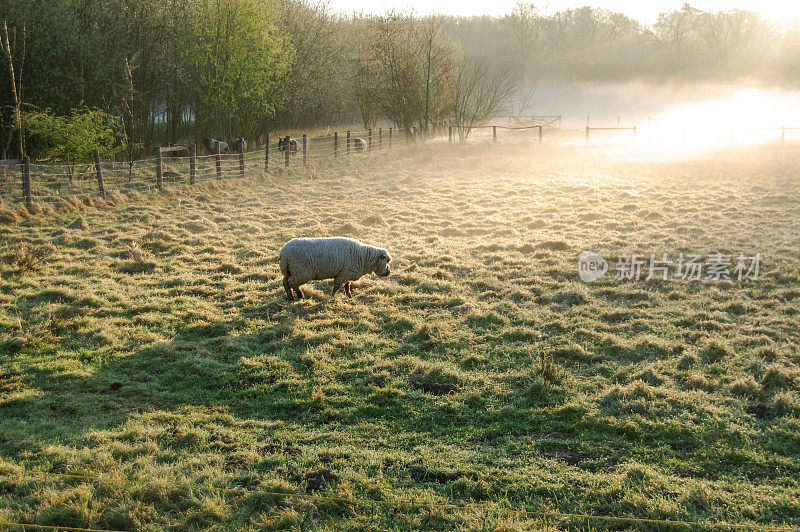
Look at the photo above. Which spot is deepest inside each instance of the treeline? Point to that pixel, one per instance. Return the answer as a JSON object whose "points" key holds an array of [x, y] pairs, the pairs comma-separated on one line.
{"points": [[688, 44], [181, 70]]}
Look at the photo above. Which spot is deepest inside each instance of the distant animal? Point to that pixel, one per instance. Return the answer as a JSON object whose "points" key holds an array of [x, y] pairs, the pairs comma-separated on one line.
{"points": [[342, 259], [239, 145], [359, 144], [295, 144], [182, 152], [211, 145]]}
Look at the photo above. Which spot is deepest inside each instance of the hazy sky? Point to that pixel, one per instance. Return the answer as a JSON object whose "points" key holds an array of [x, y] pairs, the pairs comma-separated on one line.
{"points": [[643, 10]]}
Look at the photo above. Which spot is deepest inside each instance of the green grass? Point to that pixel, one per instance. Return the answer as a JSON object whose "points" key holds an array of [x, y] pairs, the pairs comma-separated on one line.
{"points": [[156, 358]]}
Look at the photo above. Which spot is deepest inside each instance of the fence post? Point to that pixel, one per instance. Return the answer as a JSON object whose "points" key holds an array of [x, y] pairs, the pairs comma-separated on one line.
{"points": [[26, 182], [617, 120], [100, 185], [390, 137], [335, 144], [218, 158], [634, 132], [159, 170], [305, 145], [287, 148], [587, 134], [559, 120], [348, 142], [193, 164], [450, 134], [241, 159], [369, 140], [540, 133], [494, 133], [266, 155], [380, 138]]}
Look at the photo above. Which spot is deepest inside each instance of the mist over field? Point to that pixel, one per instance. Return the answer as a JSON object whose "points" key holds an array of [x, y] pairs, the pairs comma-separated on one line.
{"points": [[546, 275]]}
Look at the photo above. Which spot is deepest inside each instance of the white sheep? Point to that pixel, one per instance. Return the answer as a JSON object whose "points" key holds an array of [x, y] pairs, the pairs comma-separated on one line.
{"points": [[342, 259], [359, 144]]}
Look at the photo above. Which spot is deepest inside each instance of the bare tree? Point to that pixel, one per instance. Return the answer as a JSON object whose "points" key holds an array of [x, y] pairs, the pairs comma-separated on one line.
{"points": [[524, 26], [436, 52], [9, 47], [676, 34], [392, 50], [734, 40], [481, 90]]}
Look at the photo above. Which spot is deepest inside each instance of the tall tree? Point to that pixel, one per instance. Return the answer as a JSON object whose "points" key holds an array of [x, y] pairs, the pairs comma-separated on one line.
{"points": [[239, 65]]}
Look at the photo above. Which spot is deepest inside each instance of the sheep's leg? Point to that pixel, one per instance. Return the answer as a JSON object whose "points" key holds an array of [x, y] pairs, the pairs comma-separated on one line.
{"points": [[338, 282], [288, 288], [294, 284], [347, 286]]}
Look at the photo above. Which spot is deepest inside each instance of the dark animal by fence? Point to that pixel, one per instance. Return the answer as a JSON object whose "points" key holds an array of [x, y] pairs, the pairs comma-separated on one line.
{"points": [[211, 145], [294, 144], [239, 145]]}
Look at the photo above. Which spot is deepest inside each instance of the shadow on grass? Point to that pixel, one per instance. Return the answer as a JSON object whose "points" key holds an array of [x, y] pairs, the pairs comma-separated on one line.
{"points": [[264, 373]]}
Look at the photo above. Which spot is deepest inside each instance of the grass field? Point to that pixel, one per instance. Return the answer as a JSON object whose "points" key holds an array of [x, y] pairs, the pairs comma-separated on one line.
{"points": [[153, 374]]}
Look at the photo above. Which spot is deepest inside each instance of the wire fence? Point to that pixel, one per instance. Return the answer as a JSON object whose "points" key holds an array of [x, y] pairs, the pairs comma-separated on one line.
{"points": [[32, 182]]}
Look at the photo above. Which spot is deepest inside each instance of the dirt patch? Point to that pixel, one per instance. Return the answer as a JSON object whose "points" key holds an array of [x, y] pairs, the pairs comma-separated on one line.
{"points": [[320, 479], [284, 449]]}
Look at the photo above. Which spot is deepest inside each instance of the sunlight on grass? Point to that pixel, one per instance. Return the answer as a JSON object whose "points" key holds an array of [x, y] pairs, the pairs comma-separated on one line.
{"points": [[148, 347]]}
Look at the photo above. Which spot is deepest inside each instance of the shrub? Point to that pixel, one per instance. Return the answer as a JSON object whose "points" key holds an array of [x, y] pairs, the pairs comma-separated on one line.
{"points": [[71, 139]]}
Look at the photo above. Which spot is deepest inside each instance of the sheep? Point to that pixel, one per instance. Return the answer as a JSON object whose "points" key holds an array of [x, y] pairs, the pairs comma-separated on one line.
{"points": [[342, 259], [211, 145], [182, 152], [359, 144]]}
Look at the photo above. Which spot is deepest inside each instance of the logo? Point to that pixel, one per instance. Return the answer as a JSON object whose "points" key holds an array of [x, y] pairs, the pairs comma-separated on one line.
{"points": [[591, 266]]}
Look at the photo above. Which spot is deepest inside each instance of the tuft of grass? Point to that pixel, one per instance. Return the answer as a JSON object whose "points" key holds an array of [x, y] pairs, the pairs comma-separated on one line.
{"points": [[24, 257], [549, 369], [78, 223], [746, 387], [777, 377], [436, 379], [715, 351]]}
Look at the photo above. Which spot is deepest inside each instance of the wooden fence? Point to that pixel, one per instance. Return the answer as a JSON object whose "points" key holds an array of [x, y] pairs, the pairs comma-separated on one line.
{"points": [[57, 182], [589, 129], [782, 129], [533, 120]]}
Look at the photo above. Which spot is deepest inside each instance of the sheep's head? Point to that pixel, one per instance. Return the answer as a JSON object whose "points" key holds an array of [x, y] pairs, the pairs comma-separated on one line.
{"points": [[381, 263]]}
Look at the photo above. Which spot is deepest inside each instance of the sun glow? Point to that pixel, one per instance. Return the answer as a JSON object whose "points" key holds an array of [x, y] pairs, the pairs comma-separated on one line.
{"points": [[749, 117]]}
